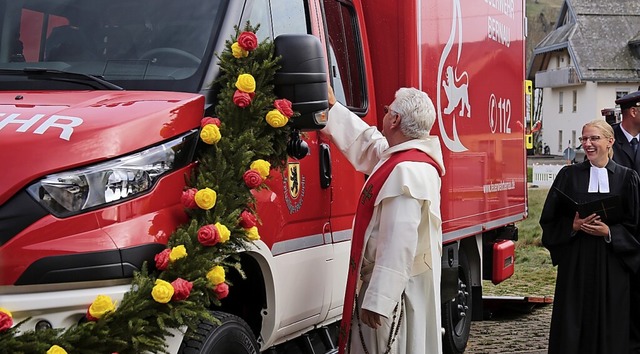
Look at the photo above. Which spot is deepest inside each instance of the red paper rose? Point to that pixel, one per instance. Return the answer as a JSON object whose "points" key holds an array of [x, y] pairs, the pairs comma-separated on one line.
{"points": [[89, 317], [241, 99], [209, 120], [181, 289], [221, 290], [248, 41], [248, 220], [252, 178], [208, 235], [188, 198], [162, 259], [6, 321], [284, 106]]}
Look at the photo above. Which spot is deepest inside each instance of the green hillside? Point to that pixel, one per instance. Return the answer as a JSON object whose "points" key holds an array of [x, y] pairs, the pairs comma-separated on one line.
{"points": [[541, 17]]}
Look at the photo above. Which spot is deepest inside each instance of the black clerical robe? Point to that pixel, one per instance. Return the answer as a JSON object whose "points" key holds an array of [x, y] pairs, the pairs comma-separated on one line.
{"points": [[591, 302]]}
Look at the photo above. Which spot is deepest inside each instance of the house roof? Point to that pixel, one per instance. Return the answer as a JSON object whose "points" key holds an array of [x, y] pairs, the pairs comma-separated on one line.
{"points": [[596, 35]]}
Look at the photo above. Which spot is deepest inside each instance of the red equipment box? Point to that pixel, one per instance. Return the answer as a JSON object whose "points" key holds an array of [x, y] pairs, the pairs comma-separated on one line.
{"points": [[503, 260]]}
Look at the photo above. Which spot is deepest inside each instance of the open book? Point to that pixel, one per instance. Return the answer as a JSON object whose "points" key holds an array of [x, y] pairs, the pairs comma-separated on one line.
{"points": [[609, 207]]}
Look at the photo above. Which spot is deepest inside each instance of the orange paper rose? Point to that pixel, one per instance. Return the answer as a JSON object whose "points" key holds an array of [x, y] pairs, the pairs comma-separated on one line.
{"points": [[162, 291], [238, 52], [206, 198], [276, 119], [246, 83], [100, 307], [210, 134]]}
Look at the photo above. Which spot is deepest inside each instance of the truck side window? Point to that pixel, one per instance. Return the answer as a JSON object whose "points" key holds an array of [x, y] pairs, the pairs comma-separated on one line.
{"points": [[260, 16], [289, 16], [344, 34]]}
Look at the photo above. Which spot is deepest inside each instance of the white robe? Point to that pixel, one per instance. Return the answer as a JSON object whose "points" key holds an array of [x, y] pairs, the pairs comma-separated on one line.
{"points": [[403, 241]]}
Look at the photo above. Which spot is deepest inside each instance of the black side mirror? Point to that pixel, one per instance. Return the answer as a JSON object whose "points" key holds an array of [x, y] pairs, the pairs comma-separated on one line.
{"points": [[302, 79]]}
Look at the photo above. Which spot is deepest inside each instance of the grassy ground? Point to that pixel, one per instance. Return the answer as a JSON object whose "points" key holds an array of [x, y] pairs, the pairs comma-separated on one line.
{"points": [[534, 274]]}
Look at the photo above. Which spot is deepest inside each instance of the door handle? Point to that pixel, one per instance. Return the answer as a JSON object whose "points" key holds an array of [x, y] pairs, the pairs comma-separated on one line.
{"points": [[325, 166]]}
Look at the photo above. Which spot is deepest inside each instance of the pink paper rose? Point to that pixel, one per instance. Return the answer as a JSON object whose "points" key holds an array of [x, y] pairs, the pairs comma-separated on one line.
{"points": [[221, 290], [248, 41], [210, 120], [182, 289], [248, 220], [162, 259], [188, 198], [241, 99], [6, 321], [252, 178], [208, 235], [284, 106]]}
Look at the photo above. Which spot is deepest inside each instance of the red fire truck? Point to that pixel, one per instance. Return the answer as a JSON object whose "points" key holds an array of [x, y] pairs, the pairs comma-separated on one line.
{"points": [[86, 87]]}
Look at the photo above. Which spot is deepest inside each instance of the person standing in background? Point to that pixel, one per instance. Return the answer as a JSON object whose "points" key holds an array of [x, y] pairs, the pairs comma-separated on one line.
{"points": [[595, 257], [627, 135]]}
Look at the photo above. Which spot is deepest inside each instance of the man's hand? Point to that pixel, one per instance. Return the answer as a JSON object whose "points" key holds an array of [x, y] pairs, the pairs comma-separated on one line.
{"points": [[370, 318], [332, 97]]}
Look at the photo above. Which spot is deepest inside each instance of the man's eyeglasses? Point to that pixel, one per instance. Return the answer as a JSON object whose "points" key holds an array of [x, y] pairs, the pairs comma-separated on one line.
{"points": [[589, 138], [389, 110]]}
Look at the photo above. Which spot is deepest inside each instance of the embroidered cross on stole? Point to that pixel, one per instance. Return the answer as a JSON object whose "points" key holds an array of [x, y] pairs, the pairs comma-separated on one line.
{"points": [[364, 212]]}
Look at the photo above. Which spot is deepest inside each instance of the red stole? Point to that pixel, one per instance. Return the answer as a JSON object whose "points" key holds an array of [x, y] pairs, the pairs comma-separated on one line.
{"points": [[364, 212]]}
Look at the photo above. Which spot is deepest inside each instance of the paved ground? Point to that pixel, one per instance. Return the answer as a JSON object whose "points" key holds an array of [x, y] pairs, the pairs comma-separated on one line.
{"points": [[521, 330], [512, 331]]}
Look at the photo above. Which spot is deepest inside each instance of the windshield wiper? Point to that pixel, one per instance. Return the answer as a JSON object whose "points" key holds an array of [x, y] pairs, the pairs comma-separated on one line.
{"points": [[60, 75]]}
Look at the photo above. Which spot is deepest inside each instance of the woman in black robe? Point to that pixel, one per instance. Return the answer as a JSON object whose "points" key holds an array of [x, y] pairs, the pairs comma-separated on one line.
{"points": [[595, 252]]}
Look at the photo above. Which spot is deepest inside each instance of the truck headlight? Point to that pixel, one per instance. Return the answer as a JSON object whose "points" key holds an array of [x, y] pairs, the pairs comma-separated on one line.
{"points": [[71, 192]]}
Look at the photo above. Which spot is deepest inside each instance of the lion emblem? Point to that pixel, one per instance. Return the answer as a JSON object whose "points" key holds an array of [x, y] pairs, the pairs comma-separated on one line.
{"points": [[456, 88]]}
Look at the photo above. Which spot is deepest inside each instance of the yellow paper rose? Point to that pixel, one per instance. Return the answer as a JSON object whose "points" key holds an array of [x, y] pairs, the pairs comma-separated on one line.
{"points": [[252, 233], [224, 232], [263, 167], [210, 134], [177, 253], [237, 51], [206, 198], [246, 83], [55, 349], [162, 291], [6, 311], [276, 119], [102, 305], [216, 275]]}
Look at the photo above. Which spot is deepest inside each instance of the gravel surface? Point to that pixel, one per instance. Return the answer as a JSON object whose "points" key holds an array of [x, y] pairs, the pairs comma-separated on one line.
{"points": [[514, 330]]}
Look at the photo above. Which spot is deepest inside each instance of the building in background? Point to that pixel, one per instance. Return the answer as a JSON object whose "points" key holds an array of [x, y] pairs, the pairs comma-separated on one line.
{"points": [[580, 68]]}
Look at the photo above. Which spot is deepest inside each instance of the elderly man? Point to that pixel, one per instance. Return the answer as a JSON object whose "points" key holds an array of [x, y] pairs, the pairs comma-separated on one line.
{"points": [[625, 153], [397, 237]]}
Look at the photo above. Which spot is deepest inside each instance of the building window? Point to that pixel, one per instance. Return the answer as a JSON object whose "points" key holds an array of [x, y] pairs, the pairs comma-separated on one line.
{"points": [[572, 143], [619, 94], [560, 99], [559, 140], [575, 101]]}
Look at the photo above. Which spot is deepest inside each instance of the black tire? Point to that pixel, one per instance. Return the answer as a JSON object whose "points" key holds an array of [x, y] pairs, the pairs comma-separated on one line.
{"points": [[456, 314], [231, 336]]}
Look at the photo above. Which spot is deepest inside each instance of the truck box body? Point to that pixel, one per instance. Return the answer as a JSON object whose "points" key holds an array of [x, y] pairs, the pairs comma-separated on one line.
{"points": [[466, 56], [56, 125]]}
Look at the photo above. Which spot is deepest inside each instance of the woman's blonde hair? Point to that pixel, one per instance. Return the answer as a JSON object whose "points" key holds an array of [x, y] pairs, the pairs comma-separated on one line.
{"points": [[605, 129]]}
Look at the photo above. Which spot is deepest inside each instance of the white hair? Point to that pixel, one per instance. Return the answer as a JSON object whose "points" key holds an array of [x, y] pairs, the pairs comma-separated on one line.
{"points": [[416, 111]]}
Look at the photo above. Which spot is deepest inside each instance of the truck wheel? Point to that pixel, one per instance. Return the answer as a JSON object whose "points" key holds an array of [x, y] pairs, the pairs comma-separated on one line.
{"points": [[456, 314], [231, 336]]}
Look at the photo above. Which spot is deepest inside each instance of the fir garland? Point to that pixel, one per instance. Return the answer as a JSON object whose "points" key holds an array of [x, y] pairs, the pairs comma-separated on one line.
{"points": [[239, 147]]}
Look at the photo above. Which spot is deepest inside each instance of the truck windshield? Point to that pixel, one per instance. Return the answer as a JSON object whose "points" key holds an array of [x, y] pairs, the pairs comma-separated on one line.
{"points": [[137, 44]]}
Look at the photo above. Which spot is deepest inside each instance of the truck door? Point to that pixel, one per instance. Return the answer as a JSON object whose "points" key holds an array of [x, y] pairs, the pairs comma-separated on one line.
{"points": [[299, 208], [346, 68]]}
